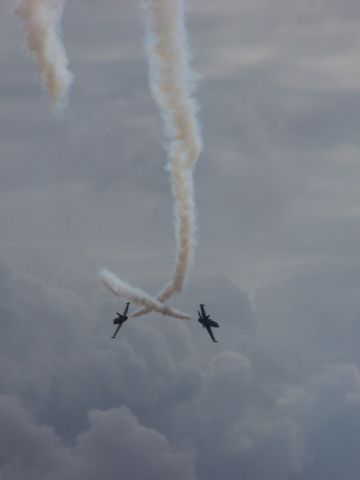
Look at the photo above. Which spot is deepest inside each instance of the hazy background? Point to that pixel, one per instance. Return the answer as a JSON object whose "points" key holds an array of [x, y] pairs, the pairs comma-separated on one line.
{"points": [[277, 262]]}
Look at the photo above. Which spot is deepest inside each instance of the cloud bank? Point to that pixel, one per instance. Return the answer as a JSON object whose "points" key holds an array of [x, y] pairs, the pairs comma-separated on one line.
{"points": [[165, 403]]}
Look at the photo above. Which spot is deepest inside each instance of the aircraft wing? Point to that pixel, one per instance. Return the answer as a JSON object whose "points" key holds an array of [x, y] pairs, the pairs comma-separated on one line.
{"points": [[212, 323], [201, 320], [126, 309], [208, 328], [117, 330]]}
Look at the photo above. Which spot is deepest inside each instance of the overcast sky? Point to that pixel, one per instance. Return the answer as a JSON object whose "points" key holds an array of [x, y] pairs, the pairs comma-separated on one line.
{"points": [[277, 263]]}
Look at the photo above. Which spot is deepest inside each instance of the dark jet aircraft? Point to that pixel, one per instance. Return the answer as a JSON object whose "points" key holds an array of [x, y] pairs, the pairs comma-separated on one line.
{"points": [[206, 321], [120, 319]]}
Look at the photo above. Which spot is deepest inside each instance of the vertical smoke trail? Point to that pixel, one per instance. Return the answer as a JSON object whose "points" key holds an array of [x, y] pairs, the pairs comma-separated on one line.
{"points": [[171, 80], [41, 23], [172, 86]]}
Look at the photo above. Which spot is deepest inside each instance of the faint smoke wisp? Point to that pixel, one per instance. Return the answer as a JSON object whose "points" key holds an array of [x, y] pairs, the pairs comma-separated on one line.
{"points": [[172, 86], [42, 27]]}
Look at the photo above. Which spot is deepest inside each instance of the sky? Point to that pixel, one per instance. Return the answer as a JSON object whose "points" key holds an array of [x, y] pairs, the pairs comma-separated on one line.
{"points": [[277, 262]]}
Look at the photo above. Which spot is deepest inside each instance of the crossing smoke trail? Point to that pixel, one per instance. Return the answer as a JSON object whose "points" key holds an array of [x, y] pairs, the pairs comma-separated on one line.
{"points": [[41, 24], [137, 296], [172, 86]]}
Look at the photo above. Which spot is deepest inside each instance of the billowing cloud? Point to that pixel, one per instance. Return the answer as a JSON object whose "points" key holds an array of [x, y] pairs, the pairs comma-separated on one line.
{"points": [[176, 404], [29, 450], [116, 444], [115, 441], [163, 395]]}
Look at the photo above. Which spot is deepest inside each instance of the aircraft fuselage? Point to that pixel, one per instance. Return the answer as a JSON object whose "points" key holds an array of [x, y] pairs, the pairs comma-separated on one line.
{"points": [[207, 322]]}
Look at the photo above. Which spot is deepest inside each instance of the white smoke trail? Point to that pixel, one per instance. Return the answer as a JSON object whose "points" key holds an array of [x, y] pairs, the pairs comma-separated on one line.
{"points": [[171, 79], [137, 296], [41, 24], [184, 213], [172, 86]]}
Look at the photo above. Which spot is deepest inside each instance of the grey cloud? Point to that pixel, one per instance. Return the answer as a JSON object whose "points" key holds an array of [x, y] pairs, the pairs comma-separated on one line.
{"points": [[116, 444], [274, 444], [328, 415], [29, 450], [142, 363], [239, 426], [314, 309], [153, 370], [200, 412], [46, 336]]}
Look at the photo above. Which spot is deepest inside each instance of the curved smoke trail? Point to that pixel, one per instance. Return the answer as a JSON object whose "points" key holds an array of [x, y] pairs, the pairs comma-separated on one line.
{"points": [[41, 24]]}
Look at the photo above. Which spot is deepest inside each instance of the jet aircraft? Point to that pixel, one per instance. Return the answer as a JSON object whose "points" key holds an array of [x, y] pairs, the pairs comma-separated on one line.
{"points": [[120, 319], [206, 321]]}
